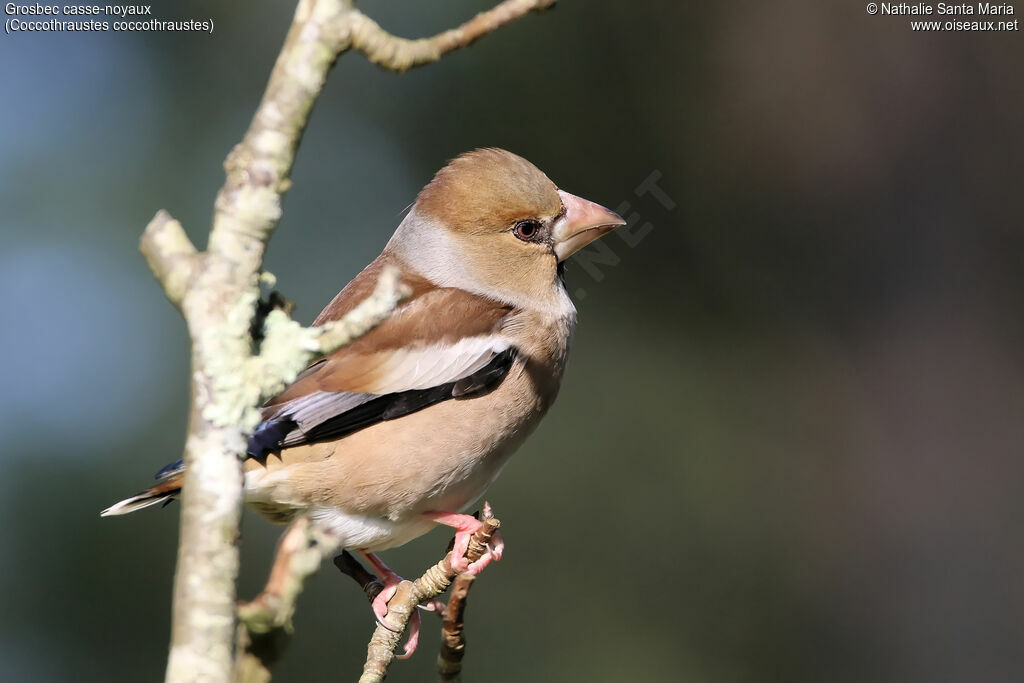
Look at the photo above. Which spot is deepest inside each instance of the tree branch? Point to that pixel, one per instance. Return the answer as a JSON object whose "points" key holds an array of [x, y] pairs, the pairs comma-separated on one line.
{"points": [[266, 623], [401, 54], [288, 347], [218, 303], [169, 254], [453, 642], [381, 650], [217, 292]]}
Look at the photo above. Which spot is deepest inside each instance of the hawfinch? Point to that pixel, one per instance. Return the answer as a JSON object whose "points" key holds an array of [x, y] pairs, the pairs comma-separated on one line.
{"points": [[406, 428]]}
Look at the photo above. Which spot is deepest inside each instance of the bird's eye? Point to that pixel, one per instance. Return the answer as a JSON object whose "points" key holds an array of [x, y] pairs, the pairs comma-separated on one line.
{"points": [[526, 230]]}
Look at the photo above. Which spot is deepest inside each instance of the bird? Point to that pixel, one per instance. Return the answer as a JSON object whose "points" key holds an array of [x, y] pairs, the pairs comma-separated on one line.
{"points": [[405, 428]]}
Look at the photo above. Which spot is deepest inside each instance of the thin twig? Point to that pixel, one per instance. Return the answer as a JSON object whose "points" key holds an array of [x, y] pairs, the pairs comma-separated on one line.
{"points": [[299, 554], [453, 640], [265, 623], [288, 347], [169, 254], [381, 650], [401, 54]]}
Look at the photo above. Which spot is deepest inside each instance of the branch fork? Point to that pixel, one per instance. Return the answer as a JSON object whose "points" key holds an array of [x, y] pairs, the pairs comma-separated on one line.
{"points": [[381, 650]]}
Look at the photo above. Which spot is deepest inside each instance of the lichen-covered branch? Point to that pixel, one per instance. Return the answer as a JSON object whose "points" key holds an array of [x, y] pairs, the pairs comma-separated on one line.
{"points": [[288, 347], [217, 292], [381, 650], [266, 622], [401, 54], [219, 302]]}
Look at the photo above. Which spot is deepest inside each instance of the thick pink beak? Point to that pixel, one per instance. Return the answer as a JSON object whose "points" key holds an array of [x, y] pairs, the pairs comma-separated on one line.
{"points": [[583, 222]]}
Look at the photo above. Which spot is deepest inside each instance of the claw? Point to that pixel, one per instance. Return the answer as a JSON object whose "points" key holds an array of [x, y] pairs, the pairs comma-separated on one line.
{"points": [[414, 636], [496, 546], [380, 603], [433, 605]]}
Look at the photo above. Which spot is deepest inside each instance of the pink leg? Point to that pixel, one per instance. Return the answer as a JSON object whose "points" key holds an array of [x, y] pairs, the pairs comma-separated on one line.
{"points": [[390, 580], [465, 526], [380, 603]]}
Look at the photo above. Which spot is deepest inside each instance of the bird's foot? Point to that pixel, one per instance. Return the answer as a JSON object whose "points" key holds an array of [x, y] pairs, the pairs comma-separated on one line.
{"points": [[413, 627], [380, 603], [390, 580], [465, 526]]}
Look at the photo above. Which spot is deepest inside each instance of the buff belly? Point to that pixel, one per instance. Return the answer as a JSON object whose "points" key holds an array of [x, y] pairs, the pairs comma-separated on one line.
{"points": [[373, 530], [374, 486]]}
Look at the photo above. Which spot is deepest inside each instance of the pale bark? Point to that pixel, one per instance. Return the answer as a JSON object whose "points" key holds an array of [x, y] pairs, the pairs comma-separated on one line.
{"points": [[410, 594], [217, 291], [266, 622]]}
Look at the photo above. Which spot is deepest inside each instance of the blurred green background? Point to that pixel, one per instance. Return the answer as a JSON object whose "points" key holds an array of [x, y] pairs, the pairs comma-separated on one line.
{"points": [[791, 423]]}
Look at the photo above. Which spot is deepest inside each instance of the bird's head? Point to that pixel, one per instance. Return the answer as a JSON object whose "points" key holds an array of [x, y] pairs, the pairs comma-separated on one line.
{"points": [[491, 222]]}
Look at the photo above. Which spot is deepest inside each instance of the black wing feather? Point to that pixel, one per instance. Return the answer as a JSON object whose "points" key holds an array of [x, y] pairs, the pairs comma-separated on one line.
{"points": [[267, 437]]}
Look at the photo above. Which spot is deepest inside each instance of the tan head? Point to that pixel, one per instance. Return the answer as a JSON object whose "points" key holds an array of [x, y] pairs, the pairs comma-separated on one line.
{"points": [[491, 222]]}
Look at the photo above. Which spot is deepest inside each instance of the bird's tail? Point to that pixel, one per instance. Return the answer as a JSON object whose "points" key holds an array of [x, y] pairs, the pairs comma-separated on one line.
{"points": [[165, 491]]}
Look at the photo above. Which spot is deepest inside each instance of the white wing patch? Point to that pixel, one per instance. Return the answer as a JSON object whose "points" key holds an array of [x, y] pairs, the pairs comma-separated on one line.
{"points": [[430, 366], [397, 371], [320, 406]]}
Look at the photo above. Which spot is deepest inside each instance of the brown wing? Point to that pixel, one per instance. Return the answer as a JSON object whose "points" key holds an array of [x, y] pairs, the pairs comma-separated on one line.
{"points": [[438, 343]]}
